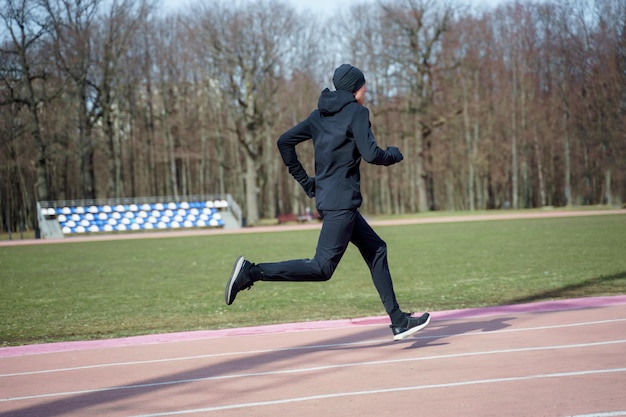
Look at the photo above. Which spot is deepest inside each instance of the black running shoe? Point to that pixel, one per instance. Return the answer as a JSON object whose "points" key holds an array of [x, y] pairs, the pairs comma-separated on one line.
{"points": [[240, 279], [412, 326]]}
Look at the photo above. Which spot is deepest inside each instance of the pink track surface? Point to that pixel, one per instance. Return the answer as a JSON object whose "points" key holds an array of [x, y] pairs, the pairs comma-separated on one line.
{"points": [[560, 358]]}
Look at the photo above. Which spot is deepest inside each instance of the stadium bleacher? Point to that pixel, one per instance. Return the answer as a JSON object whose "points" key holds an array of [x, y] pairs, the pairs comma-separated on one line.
{"points": [[77, 219]]}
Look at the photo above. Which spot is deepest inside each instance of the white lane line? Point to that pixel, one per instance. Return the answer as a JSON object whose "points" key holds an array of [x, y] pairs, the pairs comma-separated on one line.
{"points": [[311, 347], [313, 369], [386, 391], [605, 414]]}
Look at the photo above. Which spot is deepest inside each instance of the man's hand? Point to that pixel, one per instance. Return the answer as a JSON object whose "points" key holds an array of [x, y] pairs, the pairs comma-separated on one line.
{"points": [[309, 186], [395, 152]]}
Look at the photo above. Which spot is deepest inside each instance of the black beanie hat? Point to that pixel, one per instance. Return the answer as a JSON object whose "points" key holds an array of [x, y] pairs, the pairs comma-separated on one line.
{"points": [[348, 78]]}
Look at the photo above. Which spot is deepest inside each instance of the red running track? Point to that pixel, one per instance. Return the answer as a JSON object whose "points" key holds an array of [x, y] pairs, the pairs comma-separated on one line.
{"points": [[561, 358]]}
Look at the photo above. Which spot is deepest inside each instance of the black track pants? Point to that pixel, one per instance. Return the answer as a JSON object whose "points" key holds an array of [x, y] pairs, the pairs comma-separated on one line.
{"points": [[339, 228]]}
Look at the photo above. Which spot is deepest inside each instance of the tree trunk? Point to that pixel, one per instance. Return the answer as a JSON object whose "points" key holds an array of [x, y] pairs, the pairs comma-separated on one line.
{"points": [[469, 154], [252, 207], [514, 171], [85, 146], [420, 179], [567, 158], [608, 195], [112, 126], [540, 176]]}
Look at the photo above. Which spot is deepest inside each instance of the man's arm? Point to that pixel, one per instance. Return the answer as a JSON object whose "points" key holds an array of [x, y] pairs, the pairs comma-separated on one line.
{"points": [[287, 147], [366, 143]]}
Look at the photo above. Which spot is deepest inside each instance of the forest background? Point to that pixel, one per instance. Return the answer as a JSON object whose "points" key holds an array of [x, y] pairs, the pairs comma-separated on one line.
{"points": [[516, 106]]}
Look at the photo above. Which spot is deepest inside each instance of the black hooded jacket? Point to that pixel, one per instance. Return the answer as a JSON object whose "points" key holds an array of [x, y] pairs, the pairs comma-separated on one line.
{"points": [[340, 129]]}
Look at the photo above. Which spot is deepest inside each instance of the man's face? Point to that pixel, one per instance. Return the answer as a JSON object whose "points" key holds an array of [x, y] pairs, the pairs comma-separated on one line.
{"points": [[360, 94]]}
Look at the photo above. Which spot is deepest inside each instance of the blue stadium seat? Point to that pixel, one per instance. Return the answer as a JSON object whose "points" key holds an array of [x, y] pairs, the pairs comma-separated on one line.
{"points": [[121, 217]]}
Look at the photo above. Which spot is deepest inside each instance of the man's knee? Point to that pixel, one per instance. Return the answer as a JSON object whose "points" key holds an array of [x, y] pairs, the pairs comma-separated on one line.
{"points": [[321, 271], [377, 254]]}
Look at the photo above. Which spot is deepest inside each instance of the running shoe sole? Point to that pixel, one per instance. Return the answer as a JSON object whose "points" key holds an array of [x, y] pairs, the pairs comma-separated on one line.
{"points": [[231, 281], [412, 330]]}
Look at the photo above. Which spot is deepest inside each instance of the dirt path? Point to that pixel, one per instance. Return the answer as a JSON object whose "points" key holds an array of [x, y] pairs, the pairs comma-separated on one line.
{"points": [[316, 225]]}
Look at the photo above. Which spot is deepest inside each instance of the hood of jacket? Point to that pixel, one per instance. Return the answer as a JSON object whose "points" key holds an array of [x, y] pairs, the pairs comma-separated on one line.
{"points": [[331, 102]]}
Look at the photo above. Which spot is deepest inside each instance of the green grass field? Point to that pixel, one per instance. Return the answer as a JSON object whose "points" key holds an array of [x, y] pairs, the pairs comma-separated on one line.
{"points": [[104, 289]]}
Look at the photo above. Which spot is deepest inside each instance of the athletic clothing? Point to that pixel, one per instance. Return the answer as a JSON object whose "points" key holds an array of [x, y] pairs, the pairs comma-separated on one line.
{"points": [[340, 129], [341, 134]]}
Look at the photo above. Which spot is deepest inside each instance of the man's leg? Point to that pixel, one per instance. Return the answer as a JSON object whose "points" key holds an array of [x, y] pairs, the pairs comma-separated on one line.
{"points": [[332, 243], [374, 252]]}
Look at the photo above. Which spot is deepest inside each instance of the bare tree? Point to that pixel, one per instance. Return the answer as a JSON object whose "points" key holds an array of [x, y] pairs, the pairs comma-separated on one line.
{"points": [[416, 28], [72, 31], [24, 74], [27, 90], [245, 49], [522, 103], [117, 28]]}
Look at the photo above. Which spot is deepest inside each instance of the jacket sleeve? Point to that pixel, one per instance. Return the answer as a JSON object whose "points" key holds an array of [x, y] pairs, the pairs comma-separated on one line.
{"points": [[287, 147], [366, 143]]}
